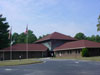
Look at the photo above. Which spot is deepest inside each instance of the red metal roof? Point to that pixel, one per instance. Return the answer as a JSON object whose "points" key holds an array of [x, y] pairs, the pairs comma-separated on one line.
{"points": [[56, 35], [31, 47], [77, 45]]}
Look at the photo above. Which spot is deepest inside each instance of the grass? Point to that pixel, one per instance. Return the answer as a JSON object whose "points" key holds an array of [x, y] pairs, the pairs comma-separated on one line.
{"points": [[19, 62], [96, 58]]}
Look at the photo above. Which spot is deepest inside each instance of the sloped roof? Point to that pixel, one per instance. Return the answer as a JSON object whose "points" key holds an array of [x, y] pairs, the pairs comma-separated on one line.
{"points": [[31, 47], [77, 45], [56, 35]]}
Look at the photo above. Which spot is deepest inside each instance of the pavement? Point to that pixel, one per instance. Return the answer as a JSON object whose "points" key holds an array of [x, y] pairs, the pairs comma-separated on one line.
{"points": [[54, 67]]}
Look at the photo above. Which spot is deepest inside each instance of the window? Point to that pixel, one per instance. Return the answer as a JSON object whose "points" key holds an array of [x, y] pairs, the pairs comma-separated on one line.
{"points": [[78, 51], [60, 53], [67, 52], [70, 52]]}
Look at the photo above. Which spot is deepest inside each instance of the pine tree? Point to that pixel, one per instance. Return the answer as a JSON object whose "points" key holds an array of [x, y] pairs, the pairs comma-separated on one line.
{"points": [[4, 41]]}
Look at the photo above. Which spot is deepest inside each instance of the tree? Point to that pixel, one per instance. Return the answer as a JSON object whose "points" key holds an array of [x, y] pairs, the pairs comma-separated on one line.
{"points": [[88, 38], [15, 38], [80, 36], [22, 38], [4, 32], [31, 37], [85, 52], [40, 37], [93, 38], [98, 25], [97, 38]]}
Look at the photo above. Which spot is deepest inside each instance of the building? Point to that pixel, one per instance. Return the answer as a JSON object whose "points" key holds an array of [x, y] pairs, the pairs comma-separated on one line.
{"points": [[54, 40], [74, 48], [55, 44], [32, 51]]}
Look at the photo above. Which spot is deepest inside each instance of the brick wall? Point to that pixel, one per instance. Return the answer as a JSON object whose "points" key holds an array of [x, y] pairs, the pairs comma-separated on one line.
{"points": [[77, 52], [68, 53], [15, 55]]}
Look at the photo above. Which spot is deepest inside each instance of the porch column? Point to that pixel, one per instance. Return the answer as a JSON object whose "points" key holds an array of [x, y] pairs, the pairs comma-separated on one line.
{"points": [[3, 55]]}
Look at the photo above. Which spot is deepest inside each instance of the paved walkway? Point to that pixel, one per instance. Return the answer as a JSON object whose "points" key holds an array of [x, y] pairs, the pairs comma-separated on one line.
{"points": [[54, 67]]}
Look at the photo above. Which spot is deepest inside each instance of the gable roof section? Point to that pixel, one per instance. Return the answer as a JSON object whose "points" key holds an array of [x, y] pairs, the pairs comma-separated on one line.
{"points": [[31, 47], [77, 45], [57, 36]]}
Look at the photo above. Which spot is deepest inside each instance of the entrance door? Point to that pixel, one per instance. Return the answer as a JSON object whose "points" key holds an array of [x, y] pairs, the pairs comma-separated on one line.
{"points": [[50, 54]]}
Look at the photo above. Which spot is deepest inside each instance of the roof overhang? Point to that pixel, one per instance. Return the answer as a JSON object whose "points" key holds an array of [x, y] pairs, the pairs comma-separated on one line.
{"points": [[23, 50], [73, 48]]}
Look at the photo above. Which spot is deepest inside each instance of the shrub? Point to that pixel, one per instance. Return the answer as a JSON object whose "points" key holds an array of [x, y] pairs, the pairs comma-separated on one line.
{"points": [[85, 52]]}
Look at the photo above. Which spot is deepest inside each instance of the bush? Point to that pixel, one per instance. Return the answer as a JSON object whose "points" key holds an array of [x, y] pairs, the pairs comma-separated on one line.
{"points": [[85, 52]]}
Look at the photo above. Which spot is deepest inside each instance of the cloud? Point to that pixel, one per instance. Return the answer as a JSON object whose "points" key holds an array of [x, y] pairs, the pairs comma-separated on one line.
{"points": [[21, 10], [47, 16], [13, 10], [68, 29]]}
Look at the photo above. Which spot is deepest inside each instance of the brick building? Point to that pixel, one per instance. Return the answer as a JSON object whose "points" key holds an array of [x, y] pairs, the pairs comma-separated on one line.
{"points": [[53, 44], [33, 51], [73, 49]]}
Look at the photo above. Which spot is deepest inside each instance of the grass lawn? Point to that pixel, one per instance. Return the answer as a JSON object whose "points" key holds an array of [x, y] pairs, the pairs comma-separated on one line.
{"points": [[18, 62], [96, 58]]}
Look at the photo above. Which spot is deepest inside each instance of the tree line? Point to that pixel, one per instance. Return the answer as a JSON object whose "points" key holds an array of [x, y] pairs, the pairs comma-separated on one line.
{"points": [[23, 38], [82, 36]]}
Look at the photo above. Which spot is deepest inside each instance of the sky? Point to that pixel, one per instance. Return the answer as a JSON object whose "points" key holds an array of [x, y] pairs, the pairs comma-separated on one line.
{"points": [[47, 16]]}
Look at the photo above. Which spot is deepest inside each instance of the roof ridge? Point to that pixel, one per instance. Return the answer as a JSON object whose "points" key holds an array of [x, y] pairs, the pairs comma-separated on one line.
{"points": [[60, 34], [56, 35]]}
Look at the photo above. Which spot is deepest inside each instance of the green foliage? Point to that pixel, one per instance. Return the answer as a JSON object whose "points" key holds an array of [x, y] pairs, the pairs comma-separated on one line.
{"points": [[92, 38], [95, 38], [31, 37], [15, 38], [4, 41], [80, 36], [22, 38], [40, 37], [85, 52], [98, 25]]}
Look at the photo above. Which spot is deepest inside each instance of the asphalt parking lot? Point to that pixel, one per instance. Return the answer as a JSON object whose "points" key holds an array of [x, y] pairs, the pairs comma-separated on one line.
{"points": [[54, 67]]}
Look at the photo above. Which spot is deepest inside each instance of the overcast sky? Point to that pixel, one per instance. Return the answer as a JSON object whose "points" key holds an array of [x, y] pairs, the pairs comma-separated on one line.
{"points": [[47, 16]]}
